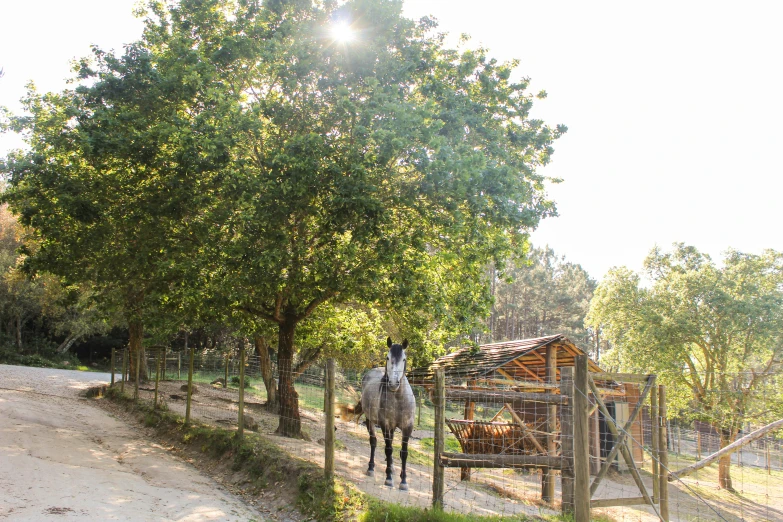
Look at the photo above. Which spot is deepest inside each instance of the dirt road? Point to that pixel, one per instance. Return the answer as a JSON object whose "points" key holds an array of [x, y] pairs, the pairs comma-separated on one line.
{"points": [[64, 459]]}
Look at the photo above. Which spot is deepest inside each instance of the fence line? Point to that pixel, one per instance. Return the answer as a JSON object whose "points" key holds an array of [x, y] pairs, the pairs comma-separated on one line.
{"points": [[501, 437]]}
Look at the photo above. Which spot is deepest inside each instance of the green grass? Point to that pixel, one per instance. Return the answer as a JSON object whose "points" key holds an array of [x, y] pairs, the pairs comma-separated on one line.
{"points": [[451, 444], [384, 512], [63, 362]]}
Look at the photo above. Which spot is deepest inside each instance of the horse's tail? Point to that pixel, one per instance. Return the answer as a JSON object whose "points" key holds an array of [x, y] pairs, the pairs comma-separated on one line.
{"points": [[349, 412]]}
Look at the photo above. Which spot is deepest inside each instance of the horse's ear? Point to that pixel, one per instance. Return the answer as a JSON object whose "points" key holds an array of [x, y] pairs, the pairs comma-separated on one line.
{"points": [[404, 344], [388, 342]]}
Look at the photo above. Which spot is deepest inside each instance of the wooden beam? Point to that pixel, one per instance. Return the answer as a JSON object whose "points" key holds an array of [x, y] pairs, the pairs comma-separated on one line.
{"points": [[464, 460], [728, 450], [498, 414], [621, 377], [525, 368], [623, 501], [505, 374], [525, 430], [503, 396]]}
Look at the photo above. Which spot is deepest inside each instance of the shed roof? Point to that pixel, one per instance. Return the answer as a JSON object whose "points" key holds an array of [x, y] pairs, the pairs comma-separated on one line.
{"points": [[522, 359]]}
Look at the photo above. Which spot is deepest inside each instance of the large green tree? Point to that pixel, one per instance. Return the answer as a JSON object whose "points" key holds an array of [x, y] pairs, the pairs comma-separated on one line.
{"points": [[713, 332], [243, 151], [364, 167]]}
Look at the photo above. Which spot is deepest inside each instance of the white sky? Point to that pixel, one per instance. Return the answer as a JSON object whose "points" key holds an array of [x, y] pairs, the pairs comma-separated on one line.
{"points": [[674, 109]]}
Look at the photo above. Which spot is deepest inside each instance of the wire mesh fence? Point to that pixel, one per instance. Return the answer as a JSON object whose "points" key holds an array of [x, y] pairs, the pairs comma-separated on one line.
{"points": [[502, 449]]}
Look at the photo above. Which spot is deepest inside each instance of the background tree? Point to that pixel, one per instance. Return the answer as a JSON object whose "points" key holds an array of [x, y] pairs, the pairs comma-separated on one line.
{"points": [[713, 333], [544, 295], [116, 168]]}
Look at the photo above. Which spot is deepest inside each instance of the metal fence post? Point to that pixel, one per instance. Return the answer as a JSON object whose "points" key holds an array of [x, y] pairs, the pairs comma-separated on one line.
{"points": [[225, 381], [112, 366], [329, 414], [439, 401]]}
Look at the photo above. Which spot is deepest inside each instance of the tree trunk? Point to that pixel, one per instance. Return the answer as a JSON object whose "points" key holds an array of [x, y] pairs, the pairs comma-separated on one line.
{"points": [[67, 343], [290, 422], [265, 364], [727, 436], [136, 334]]}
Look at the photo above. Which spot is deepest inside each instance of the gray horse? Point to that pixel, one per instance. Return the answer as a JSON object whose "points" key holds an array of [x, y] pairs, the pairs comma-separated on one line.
{"points": [[388, 402]]}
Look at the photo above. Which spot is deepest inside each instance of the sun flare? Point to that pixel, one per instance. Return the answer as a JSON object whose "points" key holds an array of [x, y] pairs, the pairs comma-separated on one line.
{"points": [[342, 32]]}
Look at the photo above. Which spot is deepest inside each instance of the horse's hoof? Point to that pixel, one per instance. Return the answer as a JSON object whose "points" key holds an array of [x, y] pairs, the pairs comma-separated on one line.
{"points": [[370, 472], [403, 486], [389, 482]]}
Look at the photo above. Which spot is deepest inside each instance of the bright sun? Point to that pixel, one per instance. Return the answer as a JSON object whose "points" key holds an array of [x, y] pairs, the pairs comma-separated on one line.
{"points": [[342, 32]]}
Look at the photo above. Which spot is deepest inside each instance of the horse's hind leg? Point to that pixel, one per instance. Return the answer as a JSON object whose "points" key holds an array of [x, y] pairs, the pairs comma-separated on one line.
{"points": [[388, 436], [373, 444], [406, 434]]}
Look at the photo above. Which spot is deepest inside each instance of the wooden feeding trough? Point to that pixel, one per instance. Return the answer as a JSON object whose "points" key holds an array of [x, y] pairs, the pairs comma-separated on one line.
{"points": [[496, 438]]}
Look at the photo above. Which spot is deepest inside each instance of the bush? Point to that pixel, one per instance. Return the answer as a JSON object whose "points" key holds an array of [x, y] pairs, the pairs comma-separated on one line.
{"points": [[235, 381]]}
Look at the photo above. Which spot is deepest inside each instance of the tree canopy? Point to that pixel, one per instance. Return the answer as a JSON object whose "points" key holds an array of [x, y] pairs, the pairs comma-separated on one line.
{"points": [[715, 331], [241, 152]]}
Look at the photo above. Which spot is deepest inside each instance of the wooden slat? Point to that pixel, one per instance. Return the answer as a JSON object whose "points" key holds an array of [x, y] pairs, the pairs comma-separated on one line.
{"points": [[503, 396], [464, 460]]}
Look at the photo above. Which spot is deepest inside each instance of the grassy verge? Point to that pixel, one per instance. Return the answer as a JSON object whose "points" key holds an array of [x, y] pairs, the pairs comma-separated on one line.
{"points": [[265, 465], [62, 362]]}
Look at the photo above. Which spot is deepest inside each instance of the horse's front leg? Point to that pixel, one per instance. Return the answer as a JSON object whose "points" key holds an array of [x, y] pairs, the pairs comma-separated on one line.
{"points": [[373, 444], [388, 436], [406, 434]]}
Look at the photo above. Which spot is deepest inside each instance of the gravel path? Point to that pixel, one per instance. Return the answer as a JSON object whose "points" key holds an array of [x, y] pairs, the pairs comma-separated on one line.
{"points": [[62, 458]]}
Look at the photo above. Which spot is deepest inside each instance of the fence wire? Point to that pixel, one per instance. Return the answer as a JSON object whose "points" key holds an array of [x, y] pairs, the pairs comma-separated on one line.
{"points": [[498, 437]]}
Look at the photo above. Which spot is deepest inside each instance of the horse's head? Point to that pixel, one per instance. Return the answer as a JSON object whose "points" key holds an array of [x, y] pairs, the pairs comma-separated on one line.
{"points": [[396, 361]]}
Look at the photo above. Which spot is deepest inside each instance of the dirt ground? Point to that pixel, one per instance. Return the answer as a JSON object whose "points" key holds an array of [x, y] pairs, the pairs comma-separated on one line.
{"points": [[63, 458], [491, 492]]}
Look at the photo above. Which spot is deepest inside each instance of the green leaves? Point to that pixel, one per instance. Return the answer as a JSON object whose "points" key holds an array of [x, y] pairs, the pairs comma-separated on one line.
{"points": [[713, 330]]}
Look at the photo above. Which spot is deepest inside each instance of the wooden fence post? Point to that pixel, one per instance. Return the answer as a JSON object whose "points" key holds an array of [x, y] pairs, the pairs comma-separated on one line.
{"points": [[190, 380], [136, 384], [112, 366], [241, 406], [581, 447], [421, 404], [157, 381], [438, 475], [179, 366], [329, 414], [654, 432], [567, 440], [548, 474], [124, 369], [663, 456], [163, 370], [225, 380]]}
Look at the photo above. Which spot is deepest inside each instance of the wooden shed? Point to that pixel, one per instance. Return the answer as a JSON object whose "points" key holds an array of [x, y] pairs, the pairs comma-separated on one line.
{"points": [[522, 365]]}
